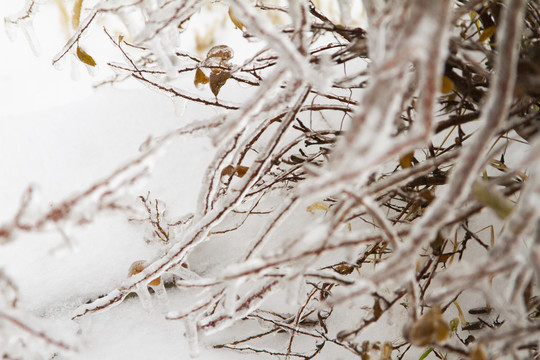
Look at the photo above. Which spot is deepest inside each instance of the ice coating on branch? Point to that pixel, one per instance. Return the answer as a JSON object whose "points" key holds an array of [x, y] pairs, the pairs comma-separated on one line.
{"points": [[23, 21], [179, 106], [192, 336], [161, 295], [28, 30], [144, 296]]}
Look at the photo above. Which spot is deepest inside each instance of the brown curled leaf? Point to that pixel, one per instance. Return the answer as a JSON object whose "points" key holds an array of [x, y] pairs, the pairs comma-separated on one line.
{"points": [[200, 78], [223, 52], [235, 21], [217, 80], [85, 58], [240, 170]]}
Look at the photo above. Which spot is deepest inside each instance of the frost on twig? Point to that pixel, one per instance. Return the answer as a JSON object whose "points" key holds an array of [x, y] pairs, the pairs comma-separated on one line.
{"points": [[368, 168]]}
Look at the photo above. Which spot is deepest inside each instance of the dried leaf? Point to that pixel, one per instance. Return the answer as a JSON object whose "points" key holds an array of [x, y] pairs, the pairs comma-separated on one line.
{"points": [[77, 6], [222, 52], [217, 80], [460, 314], [139, 266], [200, 78], [427, 195], [240, 171], [447, 85], [406, 160], [344, 269], [430, 328], [85, 58], [120, 38], [235, 21], [478, 353], [487, 33], [319, 205]]}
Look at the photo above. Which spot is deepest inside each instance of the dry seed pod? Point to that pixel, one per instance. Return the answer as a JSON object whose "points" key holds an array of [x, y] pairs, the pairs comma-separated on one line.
{"points": [[430, 328], [139, 266]]}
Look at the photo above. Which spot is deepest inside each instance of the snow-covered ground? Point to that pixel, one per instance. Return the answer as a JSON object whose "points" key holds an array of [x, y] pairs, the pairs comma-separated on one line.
{"points": [[60, 136]]}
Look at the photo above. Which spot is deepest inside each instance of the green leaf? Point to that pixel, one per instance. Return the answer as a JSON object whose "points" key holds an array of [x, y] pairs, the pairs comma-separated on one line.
{"points": [[425, 353], [492, 199]]}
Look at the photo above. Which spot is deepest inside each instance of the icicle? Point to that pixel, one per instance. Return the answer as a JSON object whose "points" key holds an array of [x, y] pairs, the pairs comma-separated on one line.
{"points": [[192, 336], [10, 29], [296, 290], [231, 297], [92, 70], [144, 296], [344, 11], [60, 64], [75, 71], [179, 106], [30, 35], [161, 295]]}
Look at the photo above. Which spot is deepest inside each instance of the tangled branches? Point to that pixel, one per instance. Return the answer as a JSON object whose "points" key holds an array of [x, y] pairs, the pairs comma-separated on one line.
{"points": [[372, 160]]}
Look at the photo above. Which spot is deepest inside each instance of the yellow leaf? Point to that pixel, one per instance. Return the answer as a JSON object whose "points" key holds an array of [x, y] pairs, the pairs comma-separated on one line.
{"points": [[120, 38], [447, 85], [488, 33], [200, 78], [85, 58], [460, 314], [77, 6], [235, 21], [406, 160], [318, 205]]}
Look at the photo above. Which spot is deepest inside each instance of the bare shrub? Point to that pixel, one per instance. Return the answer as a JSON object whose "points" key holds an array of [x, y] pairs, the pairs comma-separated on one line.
{"points": [[366, 157]]}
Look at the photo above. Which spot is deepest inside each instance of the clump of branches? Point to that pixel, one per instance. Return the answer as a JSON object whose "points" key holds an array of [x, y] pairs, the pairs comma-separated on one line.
{"points": [[387, 144]]}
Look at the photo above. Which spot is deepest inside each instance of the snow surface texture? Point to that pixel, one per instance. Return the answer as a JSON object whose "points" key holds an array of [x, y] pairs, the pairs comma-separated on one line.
{"points": [[271, 199]]}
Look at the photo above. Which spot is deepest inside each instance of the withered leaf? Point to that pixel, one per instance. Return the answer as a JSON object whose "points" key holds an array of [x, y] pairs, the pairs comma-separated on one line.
{"points": [[217, 80], [447, 85], [430, 328], [235, 21], [84, 57], [77, 6], [222, 52], [240, 171], [200, 78], [488, 33], [318, 205], [406, 160]]}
